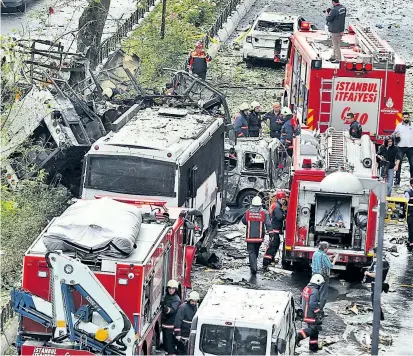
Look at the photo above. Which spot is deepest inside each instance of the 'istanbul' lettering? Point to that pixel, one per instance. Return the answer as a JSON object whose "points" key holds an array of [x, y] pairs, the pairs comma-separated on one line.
{"points": [[44, 351]]}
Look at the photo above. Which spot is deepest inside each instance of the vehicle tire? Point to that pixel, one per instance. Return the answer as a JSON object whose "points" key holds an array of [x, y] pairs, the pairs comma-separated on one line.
{"points": [[22, 7], [245, 198]]}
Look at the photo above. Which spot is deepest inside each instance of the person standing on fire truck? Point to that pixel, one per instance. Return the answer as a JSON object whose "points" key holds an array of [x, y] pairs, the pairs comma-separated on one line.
{"points": [[254, 120], [404, 132], [241, 121], [183, 321], [290, 130], [277, 223], [313, 316], [258, 222], [321, 264], [170, 306], [409, 195], [355, 129], [336, 20], [276, 120], [197, 62]]}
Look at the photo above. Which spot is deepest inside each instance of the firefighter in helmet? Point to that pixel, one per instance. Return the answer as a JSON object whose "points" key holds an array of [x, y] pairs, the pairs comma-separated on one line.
{"points": [[258, 222], [289, 130], [254, 120], [170, 305], [197, 62], [183, 321], [241, 121], [277, 223], [310, 303]]}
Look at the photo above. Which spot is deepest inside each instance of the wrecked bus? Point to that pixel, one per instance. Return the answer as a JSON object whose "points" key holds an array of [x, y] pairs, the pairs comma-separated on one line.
{"points": [[237, 321]]}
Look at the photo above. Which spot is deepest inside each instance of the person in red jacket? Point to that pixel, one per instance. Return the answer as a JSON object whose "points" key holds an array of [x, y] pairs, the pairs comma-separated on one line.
{"points": [[198, 61]]}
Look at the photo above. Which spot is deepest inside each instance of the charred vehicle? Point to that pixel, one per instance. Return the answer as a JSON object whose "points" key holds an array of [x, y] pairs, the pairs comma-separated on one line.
{"points": [[255, 164]]}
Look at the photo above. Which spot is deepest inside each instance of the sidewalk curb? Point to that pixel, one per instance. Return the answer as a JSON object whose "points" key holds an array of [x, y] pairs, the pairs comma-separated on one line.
{"points": [[231, 24], [8, 337]]}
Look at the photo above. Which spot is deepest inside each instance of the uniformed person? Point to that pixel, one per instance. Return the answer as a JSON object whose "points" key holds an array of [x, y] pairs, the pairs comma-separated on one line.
{"points": [[277, 223], [183, 321], [258, 222], [254, 120], [409, 195], [310, 303], [241, 121], [170, 306], [355, 128]]}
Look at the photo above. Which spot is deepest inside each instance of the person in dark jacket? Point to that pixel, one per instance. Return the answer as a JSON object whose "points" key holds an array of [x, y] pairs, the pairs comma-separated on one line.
{"points": [[241, 121], [170, 306], [408, 194], [183, 321], [276, 120], [336, 20], [254, 120], [389, 157], [197, 62], [310, 303], [289, 131], [355, 129], [277, 214], [258, 222], [371, 276]]}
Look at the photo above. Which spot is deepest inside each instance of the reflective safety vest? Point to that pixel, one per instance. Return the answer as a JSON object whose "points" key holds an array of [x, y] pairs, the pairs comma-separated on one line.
{"points": [[310, 304], [255, 226]]}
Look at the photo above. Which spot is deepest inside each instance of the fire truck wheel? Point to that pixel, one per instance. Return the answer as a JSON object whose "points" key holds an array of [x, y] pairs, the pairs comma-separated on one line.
{"points": [[245, 198]]}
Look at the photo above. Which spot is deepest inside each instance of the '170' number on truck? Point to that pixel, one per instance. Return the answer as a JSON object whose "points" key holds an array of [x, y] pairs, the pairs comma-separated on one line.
{"points": [[361, 118]]}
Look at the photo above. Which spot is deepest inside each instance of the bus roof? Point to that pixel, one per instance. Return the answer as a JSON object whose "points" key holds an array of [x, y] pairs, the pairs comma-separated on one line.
{"points": [[362, 44], [233, 303], [164, 132]]}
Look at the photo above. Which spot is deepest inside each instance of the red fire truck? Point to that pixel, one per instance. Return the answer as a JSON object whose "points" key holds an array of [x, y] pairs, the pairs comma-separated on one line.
{"points": [[137, 283], [368, 81], [329, 202]]}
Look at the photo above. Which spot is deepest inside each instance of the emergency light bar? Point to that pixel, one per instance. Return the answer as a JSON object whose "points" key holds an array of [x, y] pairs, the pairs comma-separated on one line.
{"points": [[400, 68], [358, 66], [305, 26]]}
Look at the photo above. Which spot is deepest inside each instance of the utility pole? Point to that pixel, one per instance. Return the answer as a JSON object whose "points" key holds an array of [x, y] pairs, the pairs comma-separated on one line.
{"points": [[163, 19], [380, 189]]}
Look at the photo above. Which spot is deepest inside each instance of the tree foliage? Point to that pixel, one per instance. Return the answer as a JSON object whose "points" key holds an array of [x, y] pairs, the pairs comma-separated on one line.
{"points": [[186, 22]]}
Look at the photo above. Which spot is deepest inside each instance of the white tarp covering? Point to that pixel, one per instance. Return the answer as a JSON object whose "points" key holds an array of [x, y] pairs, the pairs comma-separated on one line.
{"points": [[96, 227]]}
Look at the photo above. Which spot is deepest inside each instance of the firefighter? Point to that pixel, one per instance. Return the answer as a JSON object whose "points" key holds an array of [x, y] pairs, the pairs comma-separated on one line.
{"points": [[183, 321], [276, 120], [241, 121], [310, 303], [409, 195], [198, 61], [355, 128], [254, 120], [258, 222], [170, 306], [277, 223], [289, 130]]}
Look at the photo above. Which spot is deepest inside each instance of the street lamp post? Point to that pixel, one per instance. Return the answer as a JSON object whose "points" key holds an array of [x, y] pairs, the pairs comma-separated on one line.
{"points": [[163, 19], [380, 189]]}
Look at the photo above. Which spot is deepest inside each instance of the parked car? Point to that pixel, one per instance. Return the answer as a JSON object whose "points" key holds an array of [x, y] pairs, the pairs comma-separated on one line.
{"points": [[18, 5], [270, 33]]}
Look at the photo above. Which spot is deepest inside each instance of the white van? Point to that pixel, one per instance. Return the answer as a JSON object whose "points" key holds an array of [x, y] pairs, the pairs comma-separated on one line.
{"points": [[238, 321]]}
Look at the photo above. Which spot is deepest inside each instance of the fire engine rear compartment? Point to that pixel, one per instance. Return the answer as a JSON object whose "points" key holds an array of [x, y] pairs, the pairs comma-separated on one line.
{"points": [[338, 219]]}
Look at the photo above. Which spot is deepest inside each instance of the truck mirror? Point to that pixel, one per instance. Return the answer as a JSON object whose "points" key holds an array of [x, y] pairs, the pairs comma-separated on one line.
{"points": [[232, 137]]}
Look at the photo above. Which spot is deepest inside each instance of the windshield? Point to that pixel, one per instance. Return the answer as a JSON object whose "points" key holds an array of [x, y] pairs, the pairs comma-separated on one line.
{"points": [[269, 26], [230, 340], [131, 175]]}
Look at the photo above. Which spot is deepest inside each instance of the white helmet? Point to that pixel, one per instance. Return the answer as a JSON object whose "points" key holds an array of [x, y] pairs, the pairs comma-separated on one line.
{"points": [[193, 296], [256, 201], [255, 104], [172, 284], [243, 106], [286, 111], [317, 279]]}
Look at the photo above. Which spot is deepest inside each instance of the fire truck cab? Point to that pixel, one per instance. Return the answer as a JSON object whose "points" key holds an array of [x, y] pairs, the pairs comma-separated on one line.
{"points": [[329, 202], [368, 81], [163, 249]]}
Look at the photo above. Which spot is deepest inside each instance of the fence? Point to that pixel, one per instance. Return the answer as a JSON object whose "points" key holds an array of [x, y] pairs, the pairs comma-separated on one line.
{"points": [[112, 42], [6, 314]]}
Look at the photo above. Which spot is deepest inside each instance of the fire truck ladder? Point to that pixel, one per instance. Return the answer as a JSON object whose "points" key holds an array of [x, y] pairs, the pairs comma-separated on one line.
{"points": [[336, 150], [326, 94], [370, 43]]}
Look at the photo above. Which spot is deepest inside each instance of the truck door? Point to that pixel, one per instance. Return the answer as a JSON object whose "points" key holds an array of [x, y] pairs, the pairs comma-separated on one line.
{"points": [[360, 96]]}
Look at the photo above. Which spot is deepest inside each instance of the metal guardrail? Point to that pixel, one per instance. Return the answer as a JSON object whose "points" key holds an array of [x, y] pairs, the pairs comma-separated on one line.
{"points": [[7, 313]]}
